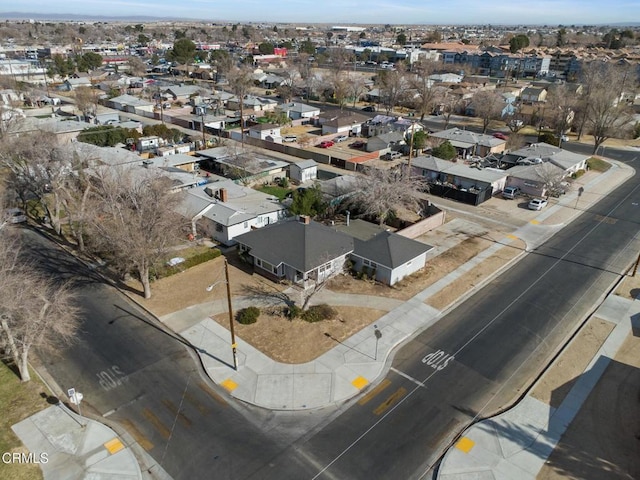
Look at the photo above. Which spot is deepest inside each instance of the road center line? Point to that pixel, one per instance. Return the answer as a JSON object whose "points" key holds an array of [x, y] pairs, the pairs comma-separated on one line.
{"points": [[408, 377]]}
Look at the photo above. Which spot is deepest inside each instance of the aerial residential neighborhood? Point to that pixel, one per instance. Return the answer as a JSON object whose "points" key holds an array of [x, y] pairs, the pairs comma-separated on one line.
{"points": [[378, 247]]}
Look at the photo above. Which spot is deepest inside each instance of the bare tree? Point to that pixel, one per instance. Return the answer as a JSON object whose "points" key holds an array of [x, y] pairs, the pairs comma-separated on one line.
{"points": [[450, 103], [86, 100], [135, 219], [34, 311], [240, 80], [553, 178], [561, 104], [392, 87], [604, 111], [357, 87], [425, 88], [487, 106], [378, 193], [38, 168], [136, 66], [339, 85]]}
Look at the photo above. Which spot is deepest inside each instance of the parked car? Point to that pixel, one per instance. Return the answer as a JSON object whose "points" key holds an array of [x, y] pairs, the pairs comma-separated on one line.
{"points": [[289, 138], [340, 138], [564, 138], [500, 135], [391, 155], [510, 192], [537, 204], [369, 108], [15, 215], [358, 144], [326, 144]]}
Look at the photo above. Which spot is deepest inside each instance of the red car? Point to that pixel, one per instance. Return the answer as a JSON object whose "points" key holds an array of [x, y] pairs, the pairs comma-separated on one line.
{"points": [[326, 144], [500, 135]]}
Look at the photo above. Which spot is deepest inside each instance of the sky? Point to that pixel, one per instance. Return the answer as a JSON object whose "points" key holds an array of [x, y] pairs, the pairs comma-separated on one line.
{"points": [[351, 12]]}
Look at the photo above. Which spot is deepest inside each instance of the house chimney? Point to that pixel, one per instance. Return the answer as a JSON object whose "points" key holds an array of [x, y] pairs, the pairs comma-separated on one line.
{"points": [[305, 219], [223, 194]]}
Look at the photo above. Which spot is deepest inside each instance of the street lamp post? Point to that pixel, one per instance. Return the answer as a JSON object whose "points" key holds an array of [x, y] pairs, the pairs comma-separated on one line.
{"points": [[231, 328], [378, 335]]}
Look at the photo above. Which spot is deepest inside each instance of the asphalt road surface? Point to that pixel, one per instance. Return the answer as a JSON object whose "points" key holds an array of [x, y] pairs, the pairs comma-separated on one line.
{"points": [[473, 362]]}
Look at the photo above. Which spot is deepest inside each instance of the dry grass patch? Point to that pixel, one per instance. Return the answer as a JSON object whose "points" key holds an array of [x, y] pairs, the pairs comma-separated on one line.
{"points": [[469, 280], [630, 287], [296, 341], [19, 401], [187, 288], [558, 381]]}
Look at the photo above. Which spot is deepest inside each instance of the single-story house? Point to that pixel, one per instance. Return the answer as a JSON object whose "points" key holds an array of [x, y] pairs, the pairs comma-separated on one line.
{"points": [[385, 142], [458, 181], [265, 131], [304, 251], [469, 143], [182, 92], [531, 179], [296, 110], [129, 103], [251, 102], [537, 153], [298, 250], [247, 166], [224, 210], [72, 83], [533, 95], [303, 171], [389, 257], [341, 122]]}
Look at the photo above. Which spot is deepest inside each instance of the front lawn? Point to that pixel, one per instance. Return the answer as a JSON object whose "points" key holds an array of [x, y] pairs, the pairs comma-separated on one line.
{"points": [[274, 190], [598, 164], [18, 401]]}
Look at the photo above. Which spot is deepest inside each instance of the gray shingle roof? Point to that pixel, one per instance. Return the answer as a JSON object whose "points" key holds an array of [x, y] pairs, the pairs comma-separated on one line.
{"points": [[303, 247], [390, 249]]}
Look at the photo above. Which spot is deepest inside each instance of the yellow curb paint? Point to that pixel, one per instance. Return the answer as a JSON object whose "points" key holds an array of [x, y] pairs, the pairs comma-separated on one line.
{"points": [[229, 384], [512, 237], [465, 444], [535, 222], [360, 382], [114, 446]]}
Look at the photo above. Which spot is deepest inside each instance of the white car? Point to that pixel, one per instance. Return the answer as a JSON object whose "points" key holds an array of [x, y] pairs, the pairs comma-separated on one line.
{"points": [[537, 204], [340, 138], [289, 138]]}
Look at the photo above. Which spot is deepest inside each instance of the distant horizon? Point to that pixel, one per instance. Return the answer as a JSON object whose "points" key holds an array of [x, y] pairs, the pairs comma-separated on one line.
{"points": [[333, 12]]}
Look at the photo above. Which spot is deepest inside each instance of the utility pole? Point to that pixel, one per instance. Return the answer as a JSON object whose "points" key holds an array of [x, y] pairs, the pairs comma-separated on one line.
{"points": [[233, 335]]}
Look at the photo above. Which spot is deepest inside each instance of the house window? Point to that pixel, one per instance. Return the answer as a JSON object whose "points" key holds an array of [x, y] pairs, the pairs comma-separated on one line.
{"points": [[218, 227]]}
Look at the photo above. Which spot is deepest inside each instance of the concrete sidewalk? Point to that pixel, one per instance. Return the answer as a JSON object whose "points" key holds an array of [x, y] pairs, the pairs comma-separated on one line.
{"points": [[517, 443], [358, 361], [76, 447]]}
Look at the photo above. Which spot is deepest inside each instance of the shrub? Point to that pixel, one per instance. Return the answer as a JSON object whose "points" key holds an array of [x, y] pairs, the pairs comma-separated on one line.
{"points": [[577, 174], [248, 315], [294, 312], [318, 313]]}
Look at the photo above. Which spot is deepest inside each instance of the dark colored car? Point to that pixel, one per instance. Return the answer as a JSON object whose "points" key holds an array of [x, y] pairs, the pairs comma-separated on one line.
{"points": [[500, 135], [358, 144], [369, 108]]}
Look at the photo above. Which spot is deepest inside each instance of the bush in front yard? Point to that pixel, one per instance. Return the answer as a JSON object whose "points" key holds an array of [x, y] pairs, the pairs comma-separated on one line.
{"points": [[248, 315], [294, 312], [318, 313]]}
